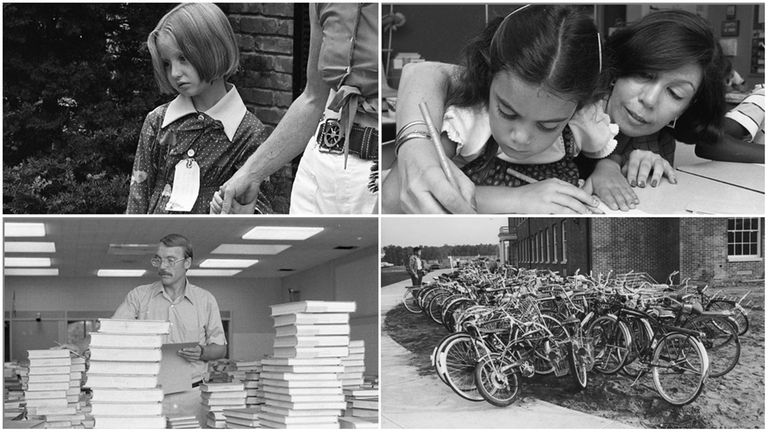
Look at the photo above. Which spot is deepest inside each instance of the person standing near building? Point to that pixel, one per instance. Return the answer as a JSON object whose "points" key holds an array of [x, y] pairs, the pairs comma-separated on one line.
{"points": [[415, 267]]}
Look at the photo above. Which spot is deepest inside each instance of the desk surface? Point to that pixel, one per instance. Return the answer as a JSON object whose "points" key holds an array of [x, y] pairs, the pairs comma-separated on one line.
{"points": [[694, 194], [744, 175]]}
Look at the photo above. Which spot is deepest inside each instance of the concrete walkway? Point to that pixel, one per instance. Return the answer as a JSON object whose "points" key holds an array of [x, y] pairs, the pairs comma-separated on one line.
{"points": [[411, 401]]}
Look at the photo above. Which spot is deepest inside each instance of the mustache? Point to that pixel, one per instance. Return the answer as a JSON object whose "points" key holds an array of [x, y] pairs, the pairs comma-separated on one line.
{"points": [[162, 273]]}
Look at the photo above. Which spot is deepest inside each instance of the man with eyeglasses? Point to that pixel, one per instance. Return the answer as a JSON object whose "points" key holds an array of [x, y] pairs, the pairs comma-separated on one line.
{"points": [[192, 311]]}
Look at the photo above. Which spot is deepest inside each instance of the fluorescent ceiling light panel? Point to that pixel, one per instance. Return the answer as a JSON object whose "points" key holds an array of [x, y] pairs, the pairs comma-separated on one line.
{"points": [[227, 263], [30, 247], [120, 272], [131, 249], [281, 233], [24, 229], [213, 272], [250, 249], [27, 262], [31, 272]]}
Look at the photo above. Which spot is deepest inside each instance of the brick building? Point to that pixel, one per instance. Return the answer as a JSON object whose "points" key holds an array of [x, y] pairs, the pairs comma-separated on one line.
{"points": [[274, 43], [710, 249]]}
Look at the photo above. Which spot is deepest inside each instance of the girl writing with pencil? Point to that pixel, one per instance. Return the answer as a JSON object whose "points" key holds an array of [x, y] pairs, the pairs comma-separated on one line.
{"points": [[662, 83], [189, 146], [522, 109]]}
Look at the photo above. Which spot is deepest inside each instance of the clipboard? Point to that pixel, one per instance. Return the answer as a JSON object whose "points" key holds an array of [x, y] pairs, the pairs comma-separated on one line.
{"points": [[175, 372]]}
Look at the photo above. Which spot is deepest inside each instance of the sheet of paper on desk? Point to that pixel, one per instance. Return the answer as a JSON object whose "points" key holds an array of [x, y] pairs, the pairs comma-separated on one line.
{"points": [[175, 372], [710, 206], [607, 210]]}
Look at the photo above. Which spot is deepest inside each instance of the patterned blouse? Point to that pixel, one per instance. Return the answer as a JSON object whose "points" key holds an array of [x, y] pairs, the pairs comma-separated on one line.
{"points": [[221, 138]]}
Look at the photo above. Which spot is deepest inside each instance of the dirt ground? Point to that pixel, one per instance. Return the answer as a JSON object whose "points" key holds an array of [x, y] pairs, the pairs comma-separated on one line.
{"points": [[734, 401]]}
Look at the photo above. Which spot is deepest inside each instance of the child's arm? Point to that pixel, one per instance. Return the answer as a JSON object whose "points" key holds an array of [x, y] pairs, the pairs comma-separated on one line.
{"points": [[729, 148], [424, 186], [291, 135], [144, 171], [550, 196], [393, 200]]}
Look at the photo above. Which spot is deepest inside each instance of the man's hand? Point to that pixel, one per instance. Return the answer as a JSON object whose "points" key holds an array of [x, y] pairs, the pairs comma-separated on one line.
{"points": [[194, 353]]}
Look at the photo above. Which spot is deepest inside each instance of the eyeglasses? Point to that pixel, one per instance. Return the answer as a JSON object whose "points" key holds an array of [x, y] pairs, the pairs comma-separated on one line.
{"points": [[157, 261]]}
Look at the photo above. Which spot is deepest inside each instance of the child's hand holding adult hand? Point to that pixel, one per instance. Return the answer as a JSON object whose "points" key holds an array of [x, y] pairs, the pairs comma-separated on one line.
{"points": [[237, 195], [608, 183], [646, 167], [424, 188], [554, 196]]}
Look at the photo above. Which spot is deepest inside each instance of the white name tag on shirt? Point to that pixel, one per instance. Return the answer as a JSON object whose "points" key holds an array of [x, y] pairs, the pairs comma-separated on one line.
{"points": [[186, 186]]}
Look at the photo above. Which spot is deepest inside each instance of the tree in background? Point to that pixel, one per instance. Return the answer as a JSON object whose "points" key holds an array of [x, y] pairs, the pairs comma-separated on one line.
{"points": [[398, 255], [77, 84]]}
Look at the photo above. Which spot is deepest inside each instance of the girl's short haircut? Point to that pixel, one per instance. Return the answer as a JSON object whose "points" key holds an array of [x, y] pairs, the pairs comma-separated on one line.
{"points": [[555, 46], [664, 41], [205, 37]]}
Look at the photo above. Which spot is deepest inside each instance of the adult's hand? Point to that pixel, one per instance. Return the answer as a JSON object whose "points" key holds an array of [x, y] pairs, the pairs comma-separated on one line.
{"points": [[610, 185], [646, 167], [424, 188], [237, 195], [191, 354]]}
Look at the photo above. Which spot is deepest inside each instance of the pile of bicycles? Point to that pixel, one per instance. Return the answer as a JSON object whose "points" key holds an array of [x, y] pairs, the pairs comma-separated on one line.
{"points": [[510, 325]]}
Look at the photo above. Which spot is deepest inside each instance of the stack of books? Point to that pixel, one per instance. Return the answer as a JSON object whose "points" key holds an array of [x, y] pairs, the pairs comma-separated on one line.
{"points": [[362, 402], [302, 384], [354, 365], [254, 395], [13, 392], [183, 422], [123, 375], [46, 386], [242, 367], [220, 396], [244, 418]]}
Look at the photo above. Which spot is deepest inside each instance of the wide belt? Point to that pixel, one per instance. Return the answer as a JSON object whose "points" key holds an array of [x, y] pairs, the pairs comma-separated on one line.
{"points": [[363, 141]]}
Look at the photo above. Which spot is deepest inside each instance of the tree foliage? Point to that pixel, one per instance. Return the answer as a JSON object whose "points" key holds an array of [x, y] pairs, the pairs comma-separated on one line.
{"points": [[77, 84], [399, 255]]}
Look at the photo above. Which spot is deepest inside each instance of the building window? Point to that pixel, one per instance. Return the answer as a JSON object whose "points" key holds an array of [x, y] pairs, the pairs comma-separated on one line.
{"points": [[564, 242], [744, 239], [548, 239], [540, 247], [554, 243]]}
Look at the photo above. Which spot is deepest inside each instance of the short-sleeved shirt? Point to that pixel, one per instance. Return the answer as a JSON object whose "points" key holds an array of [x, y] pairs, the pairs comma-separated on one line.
{"points": [[750, 114], [349, 54], [414, 265], [194, 316], [470, 129], [222, 138]]}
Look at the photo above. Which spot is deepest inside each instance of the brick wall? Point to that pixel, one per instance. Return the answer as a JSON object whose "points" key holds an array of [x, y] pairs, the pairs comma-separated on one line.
{"points": [[639, 244], [704, 253], [265, 33]]}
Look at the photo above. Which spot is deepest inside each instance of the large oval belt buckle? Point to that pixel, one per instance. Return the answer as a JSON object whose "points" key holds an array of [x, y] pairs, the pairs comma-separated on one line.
{"points": [[330, 138]]}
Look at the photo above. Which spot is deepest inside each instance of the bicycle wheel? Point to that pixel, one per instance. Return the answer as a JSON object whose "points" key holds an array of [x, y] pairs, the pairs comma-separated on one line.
{"points": [[611, 341], [427, 298], [642, 336], [679, 367], [437, 364], [549, 342], [577, 367], [410, 302], [497, 381], [721, 340], [435, 307], [450, 311], [738, 313], [459, 359]]}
